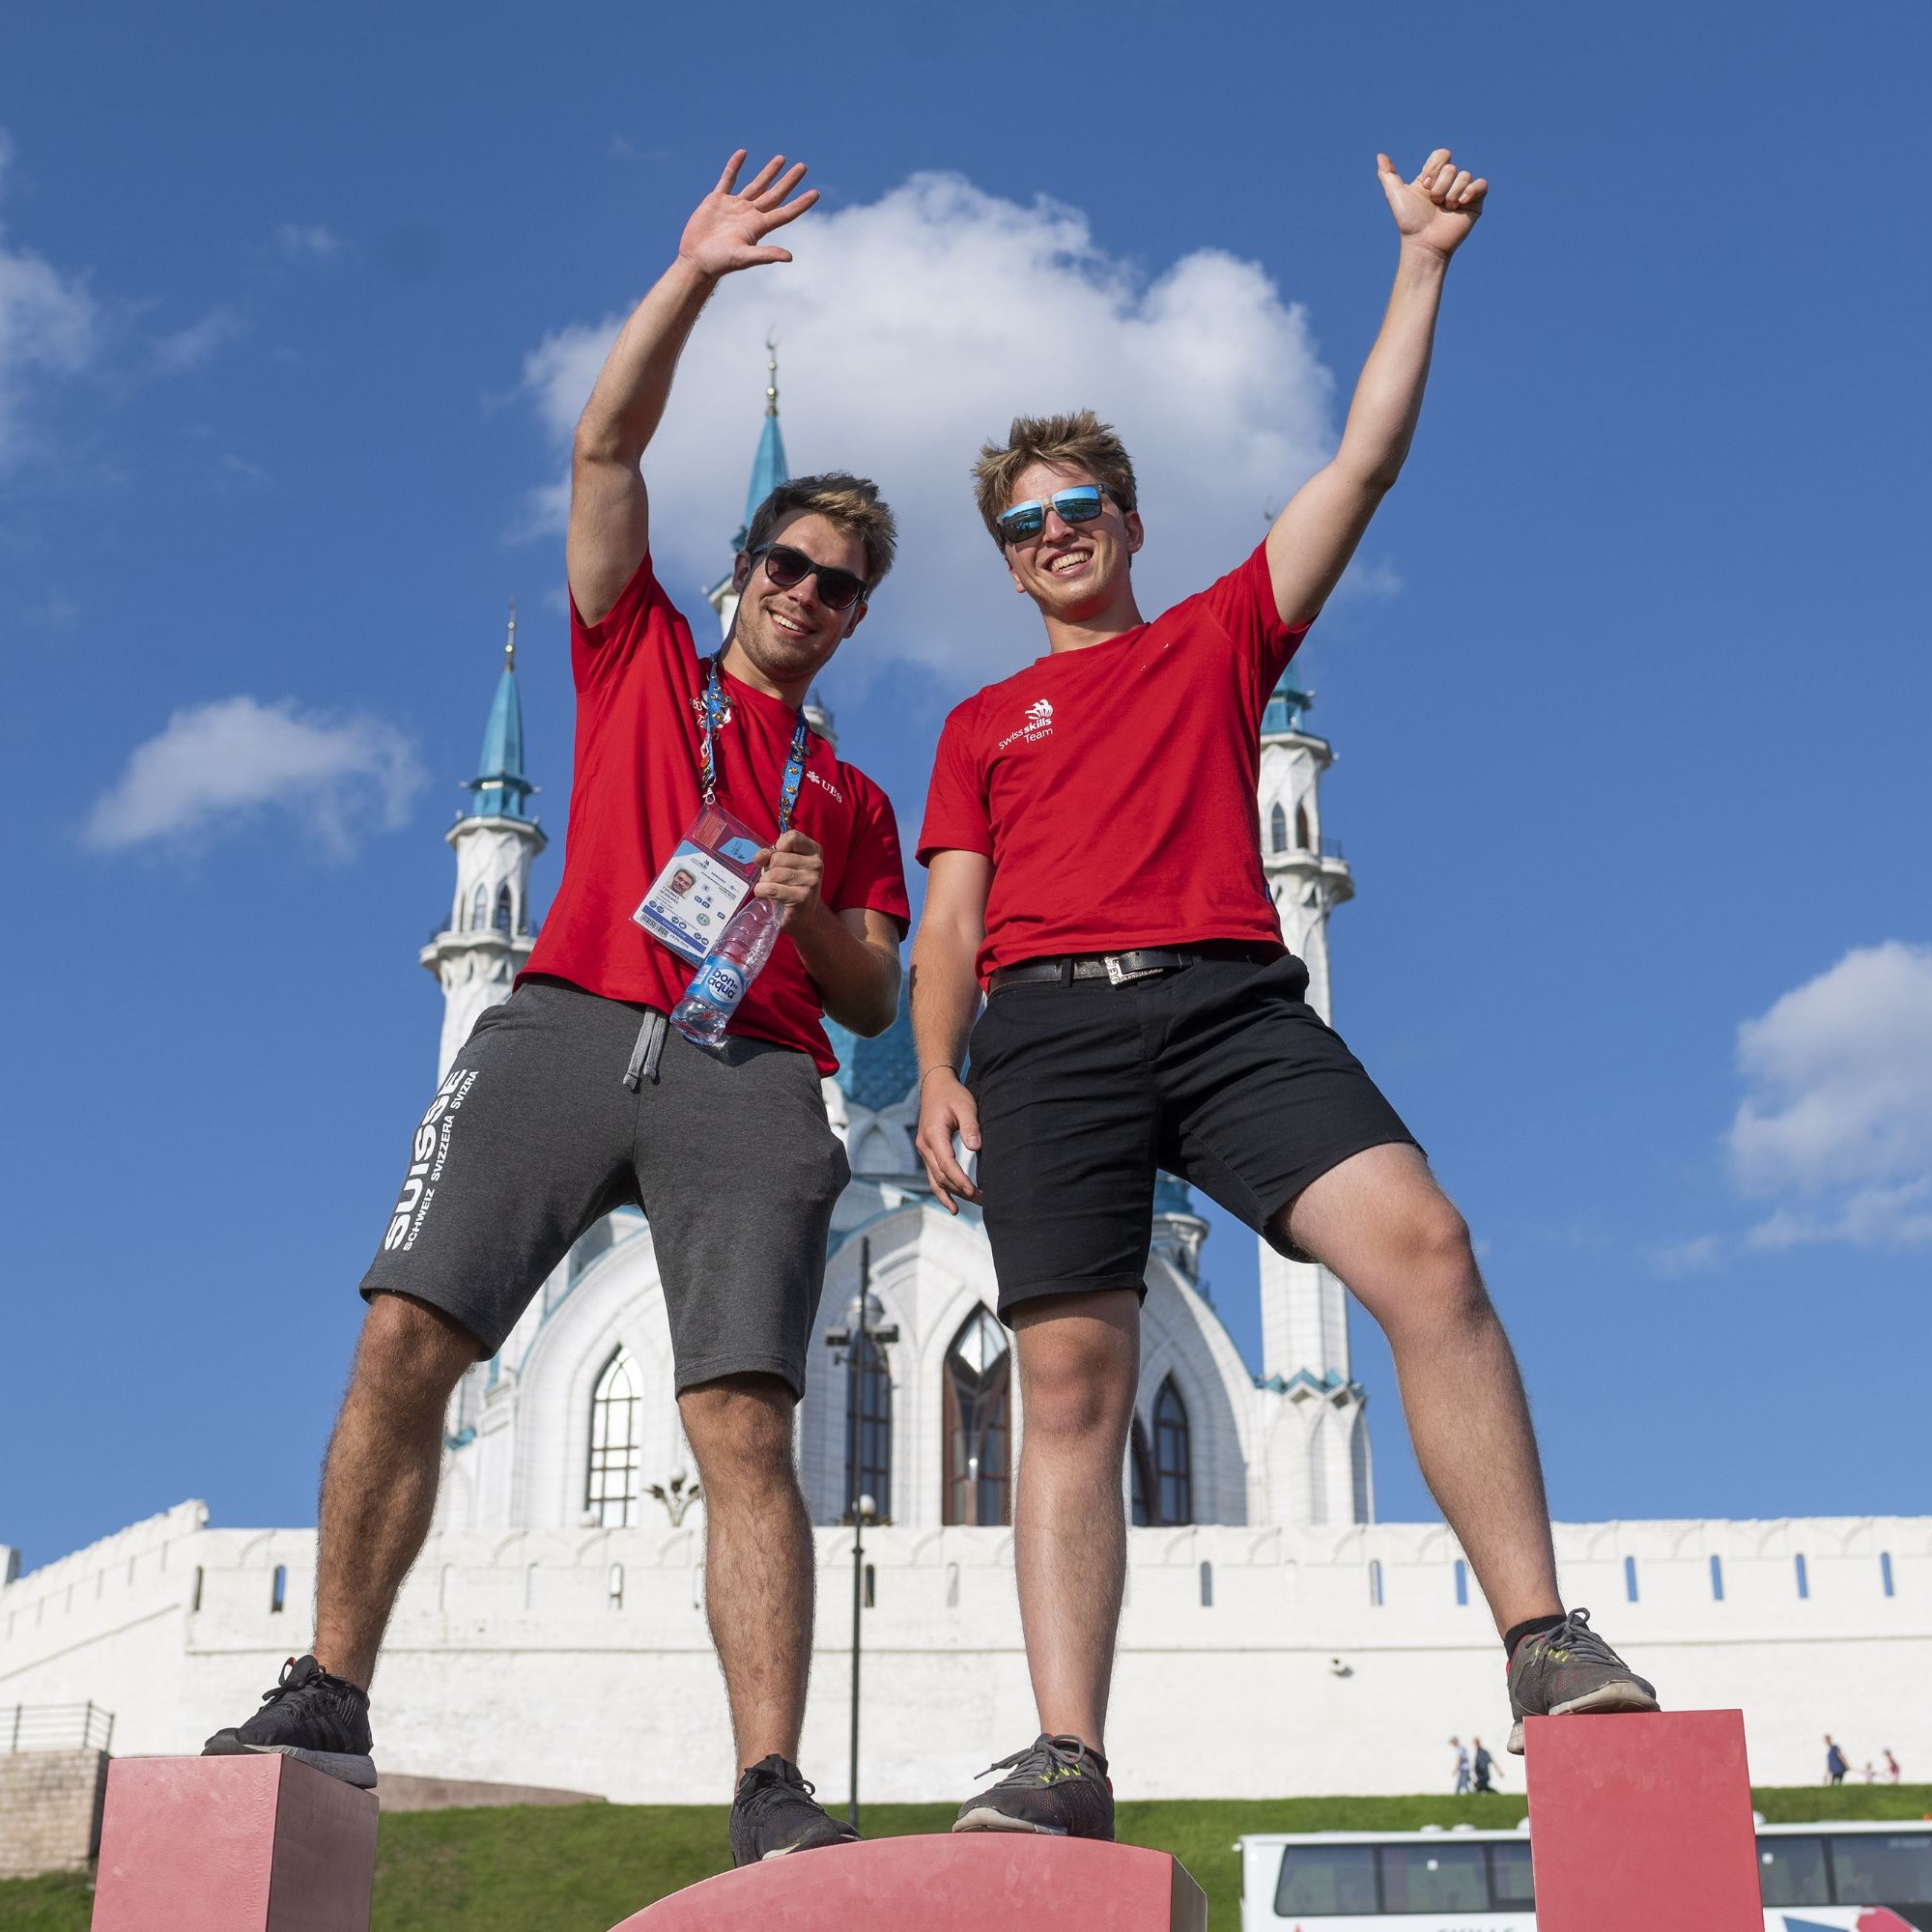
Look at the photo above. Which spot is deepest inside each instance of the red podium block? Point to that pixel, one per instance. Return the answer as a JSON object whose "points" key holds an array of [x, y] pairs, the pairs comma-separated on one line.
{"points": [[978, 1881], [233, 1844], [1642, 1824]]}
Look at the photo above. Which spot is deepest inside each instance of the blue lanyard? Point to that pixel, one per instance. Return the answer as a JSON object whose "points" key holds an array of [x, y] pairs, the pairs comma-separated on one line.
{"points": [[713, 711]]}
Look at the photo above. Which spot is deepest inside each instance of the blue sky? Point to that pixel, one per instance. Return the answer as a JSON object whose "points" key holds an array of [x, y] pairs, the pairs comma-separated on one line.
{"points": [[1628, 693]]}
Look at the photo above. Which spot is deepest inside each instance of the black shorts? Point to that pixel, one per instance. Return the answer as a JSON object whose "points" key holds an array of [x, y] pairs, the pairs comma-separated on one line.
{"points": [[1220, 1072]]}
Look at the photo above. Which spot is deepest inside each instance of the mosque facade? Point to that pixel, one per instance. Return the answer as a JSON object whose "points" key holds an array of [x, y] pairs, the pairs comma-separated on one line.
{"points": [[1277, 1638]]}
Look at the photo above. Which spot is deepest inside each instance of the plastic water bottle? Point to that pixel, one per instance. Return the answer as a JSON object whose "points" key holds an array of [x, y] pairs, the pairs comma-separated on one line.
{"points": [[726, 974]]}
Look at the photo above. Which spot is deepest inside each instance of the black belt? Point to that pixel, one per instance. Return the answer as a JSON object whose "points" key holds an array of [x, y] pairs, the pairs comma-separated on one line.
{"points": [[1140, 963]]}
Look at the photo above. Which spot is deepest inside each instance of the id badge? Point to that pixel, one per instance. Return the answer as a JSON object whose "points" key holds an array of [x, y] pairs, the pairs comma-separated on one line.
{"points": [[703, 882]]}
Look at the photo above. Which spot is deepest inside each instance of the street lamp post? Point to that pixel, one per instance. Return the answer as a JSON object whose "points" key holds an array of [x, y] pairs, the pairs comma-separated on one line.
{"points": [[854, 1345]]}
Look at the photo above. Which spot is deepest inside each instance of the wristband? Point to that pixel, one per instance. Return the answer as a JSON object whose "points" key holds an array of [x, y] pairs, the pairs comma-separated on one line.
{"points": [[944, 1068]]}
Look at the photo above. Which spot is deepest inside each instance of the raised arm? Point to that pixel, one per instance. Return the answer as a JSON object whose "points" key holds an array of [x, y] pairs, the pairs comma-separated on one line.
{"points": [[945, 1000], [610, 513], [1314, 538]]}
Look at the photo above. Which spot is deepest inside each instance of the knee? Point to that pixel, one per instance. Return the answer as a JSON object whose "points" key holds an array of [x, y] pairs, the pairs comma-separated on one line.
{"points": [[740, 1435], [409, 1353], [1077, 1395], [1440, 1263]]}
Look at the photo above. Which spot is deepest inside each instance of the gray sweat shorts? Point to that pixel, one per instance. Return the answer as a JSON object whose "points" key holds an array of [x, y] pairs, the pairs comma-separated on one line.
{"points": [[533, 1135]]}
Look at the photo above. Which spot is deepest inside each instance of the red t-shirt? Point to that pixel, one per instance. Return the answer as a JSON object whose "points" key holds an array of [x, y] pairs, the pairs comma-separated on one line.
{"points": [[633, 793], [1114, 787]]}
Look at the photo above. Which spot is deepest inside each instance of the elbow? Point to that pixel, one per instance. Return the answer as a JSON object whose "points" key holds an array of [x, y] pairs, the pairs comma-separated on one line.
{"points": [[1372, 477], [598, 440]]}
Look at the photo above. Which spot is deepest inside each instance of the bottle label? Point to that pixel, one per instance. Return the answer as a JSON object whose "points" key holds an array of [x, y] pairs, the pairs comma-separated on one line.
{"points": [[721, 981]]}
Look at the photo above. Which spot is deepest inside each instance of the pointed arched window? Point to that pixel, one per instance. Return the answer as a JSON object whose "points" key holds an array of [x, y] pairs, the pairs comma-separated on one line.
{"points": [[480, 909], [502, 908], [1303, 841], [614, 1431], [1141, 1469], [1277, 830], [979, 1433], [868, 1410], [1173, 1456]]}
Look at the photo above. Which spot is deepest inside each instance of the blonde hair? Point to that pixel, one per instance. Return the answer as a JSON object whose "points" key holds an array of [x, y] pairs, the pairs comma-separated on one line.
{"points": [[1081, 441], [850, 504]]}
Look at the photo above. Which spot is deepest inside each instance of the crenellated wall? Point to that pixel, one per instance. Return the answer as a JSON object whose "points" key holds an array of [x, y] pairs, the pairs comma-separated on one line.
{"points": [[580, 1658]]}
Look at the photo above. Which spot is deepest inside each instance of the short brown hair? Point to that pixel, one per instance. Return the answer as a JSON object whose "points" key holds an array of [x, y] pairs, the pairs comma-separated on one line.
{"points": [[1080, 440], [851, 503]]}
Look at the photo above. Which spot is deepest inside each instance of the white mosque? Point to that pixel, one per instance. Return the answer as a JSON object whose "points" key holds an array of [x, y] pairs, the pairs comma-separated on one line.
{"points": [[1277, 1638]]}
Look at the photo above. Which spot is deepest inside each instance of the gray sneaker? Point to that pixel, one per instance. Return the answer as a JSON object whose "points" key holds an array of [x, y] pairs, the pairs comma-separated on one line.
{"points": [[1570, 1669], [1056, 1788]]}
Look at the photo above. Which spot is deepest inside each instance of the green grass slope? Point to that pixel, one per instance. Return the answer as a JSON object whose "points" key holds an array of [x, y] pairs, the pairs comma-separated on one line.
{"points": [[582, 1868]]}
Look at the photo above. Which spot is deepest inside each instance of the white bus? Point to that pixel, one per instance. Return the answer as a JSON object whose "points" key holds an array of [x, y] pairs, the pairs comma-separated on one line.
{"points": [[1815, 1878]]}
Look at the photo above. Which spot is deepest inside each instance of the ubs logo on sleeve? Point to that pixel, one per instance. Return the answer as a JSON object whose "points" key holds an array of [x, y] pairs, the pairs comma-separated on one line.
{"points": [[1039, 725]]}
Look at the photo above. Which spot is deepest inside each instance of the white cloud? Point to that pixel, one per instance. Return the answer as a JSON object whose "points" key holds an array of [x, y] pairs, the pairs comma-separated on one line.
{"points": [[913, 328], [1697, 1255], [215, 765], [189, 348], [1837, 1125], [48, 326], [312, 244]]}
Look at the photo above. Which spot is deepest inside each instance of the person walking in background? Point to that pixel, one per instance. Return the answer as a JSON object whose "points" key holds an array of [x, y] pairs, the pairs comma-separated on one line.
{"points": [[1891, 1767], [1461, 1766], [1837, 1764], [1486, 1767]]}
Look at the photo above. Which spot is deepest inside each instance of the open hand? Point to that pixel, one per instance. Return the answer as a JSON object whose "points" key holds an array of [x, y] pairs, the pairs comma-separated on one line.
{"points": [[946, 1109], [728, 229], [1438, 208], [794, 868]]}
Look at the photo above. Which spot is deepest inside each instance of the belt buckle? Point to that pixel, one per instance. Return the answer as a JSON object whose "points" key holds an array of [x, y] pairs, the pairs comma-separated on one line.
{"points": [[1120, 975]]}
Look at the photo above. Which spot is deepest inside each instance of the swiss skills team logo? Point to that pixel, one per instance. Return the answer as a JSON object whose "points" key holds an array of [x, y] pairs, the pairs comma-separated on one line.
{"points": [[1035, 726]]}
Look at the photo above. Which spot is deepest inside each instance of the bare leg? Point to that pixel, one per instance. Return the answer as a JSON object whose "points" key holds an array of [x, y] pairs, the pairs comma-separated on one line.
{"points": [[1381, 1222], [758, 1555], [379, 1479], [1079, 1363]]}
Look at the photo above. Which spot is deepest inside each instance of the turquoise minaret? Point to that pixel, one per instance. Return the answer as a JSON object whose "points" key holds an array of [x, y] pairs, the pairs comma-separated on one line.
{"points": [[768, 467], [501, 789], [1317, 1452], [768, 470], [488, 933]]}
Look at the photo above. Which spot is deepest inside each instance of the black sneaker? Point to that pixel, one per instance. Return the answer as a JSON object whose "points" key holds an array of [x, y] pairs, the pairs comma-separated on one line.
{"points": [[773, 1814], [309, 1716], [1056, 1786], [1570, 1669]]}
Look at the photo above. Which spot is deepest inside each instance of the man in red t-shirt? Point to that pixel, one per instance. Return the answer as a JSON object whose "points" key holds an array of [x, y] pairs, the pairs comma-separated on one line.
{"points": [[574, 1098], [1095, 866]]}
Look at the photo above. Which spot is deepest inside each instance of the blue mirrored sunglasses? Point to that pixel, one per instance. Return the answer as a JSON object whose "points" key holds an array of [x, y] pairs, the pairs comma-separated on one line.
{"points": [[1079, 506]]}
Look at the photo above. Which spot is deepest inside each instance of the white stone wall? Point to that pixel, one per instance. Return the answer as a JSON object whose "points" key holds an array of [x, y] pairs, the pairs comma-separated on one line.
{"points": [[509, 1660]]}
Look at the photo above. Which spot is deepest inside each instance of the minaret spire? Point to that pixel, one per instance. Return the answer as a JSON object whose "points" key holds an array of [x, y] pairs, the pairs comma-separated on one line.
{"points": [[769, 470], [488, 933]]}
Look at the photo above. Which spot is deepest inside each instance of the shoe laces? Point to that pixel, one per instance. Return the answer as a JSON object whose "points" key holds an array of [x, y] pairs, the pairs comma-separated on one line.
{"points": [[1041, 1757], [289, 1683], [770, 1778], [1575, 1635]]}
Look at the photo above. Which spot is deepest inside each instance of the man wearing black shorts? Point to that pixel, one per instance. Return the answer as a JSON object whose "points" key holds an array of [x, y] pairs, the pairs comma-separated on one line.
{"points": [[1094, 859], [574, 1098]]}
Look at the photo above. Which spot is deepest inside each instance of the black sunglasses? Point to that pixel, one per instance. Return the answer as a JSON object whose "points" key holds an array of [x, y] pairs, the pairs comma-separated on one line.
{"points": [[788, 568], [1079, 506]]}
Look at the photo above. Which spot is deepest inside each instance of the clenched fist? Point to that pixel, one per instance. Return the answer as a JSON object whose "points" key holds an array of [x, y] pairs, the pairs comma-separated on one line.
{"points": [[794, 868]]}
